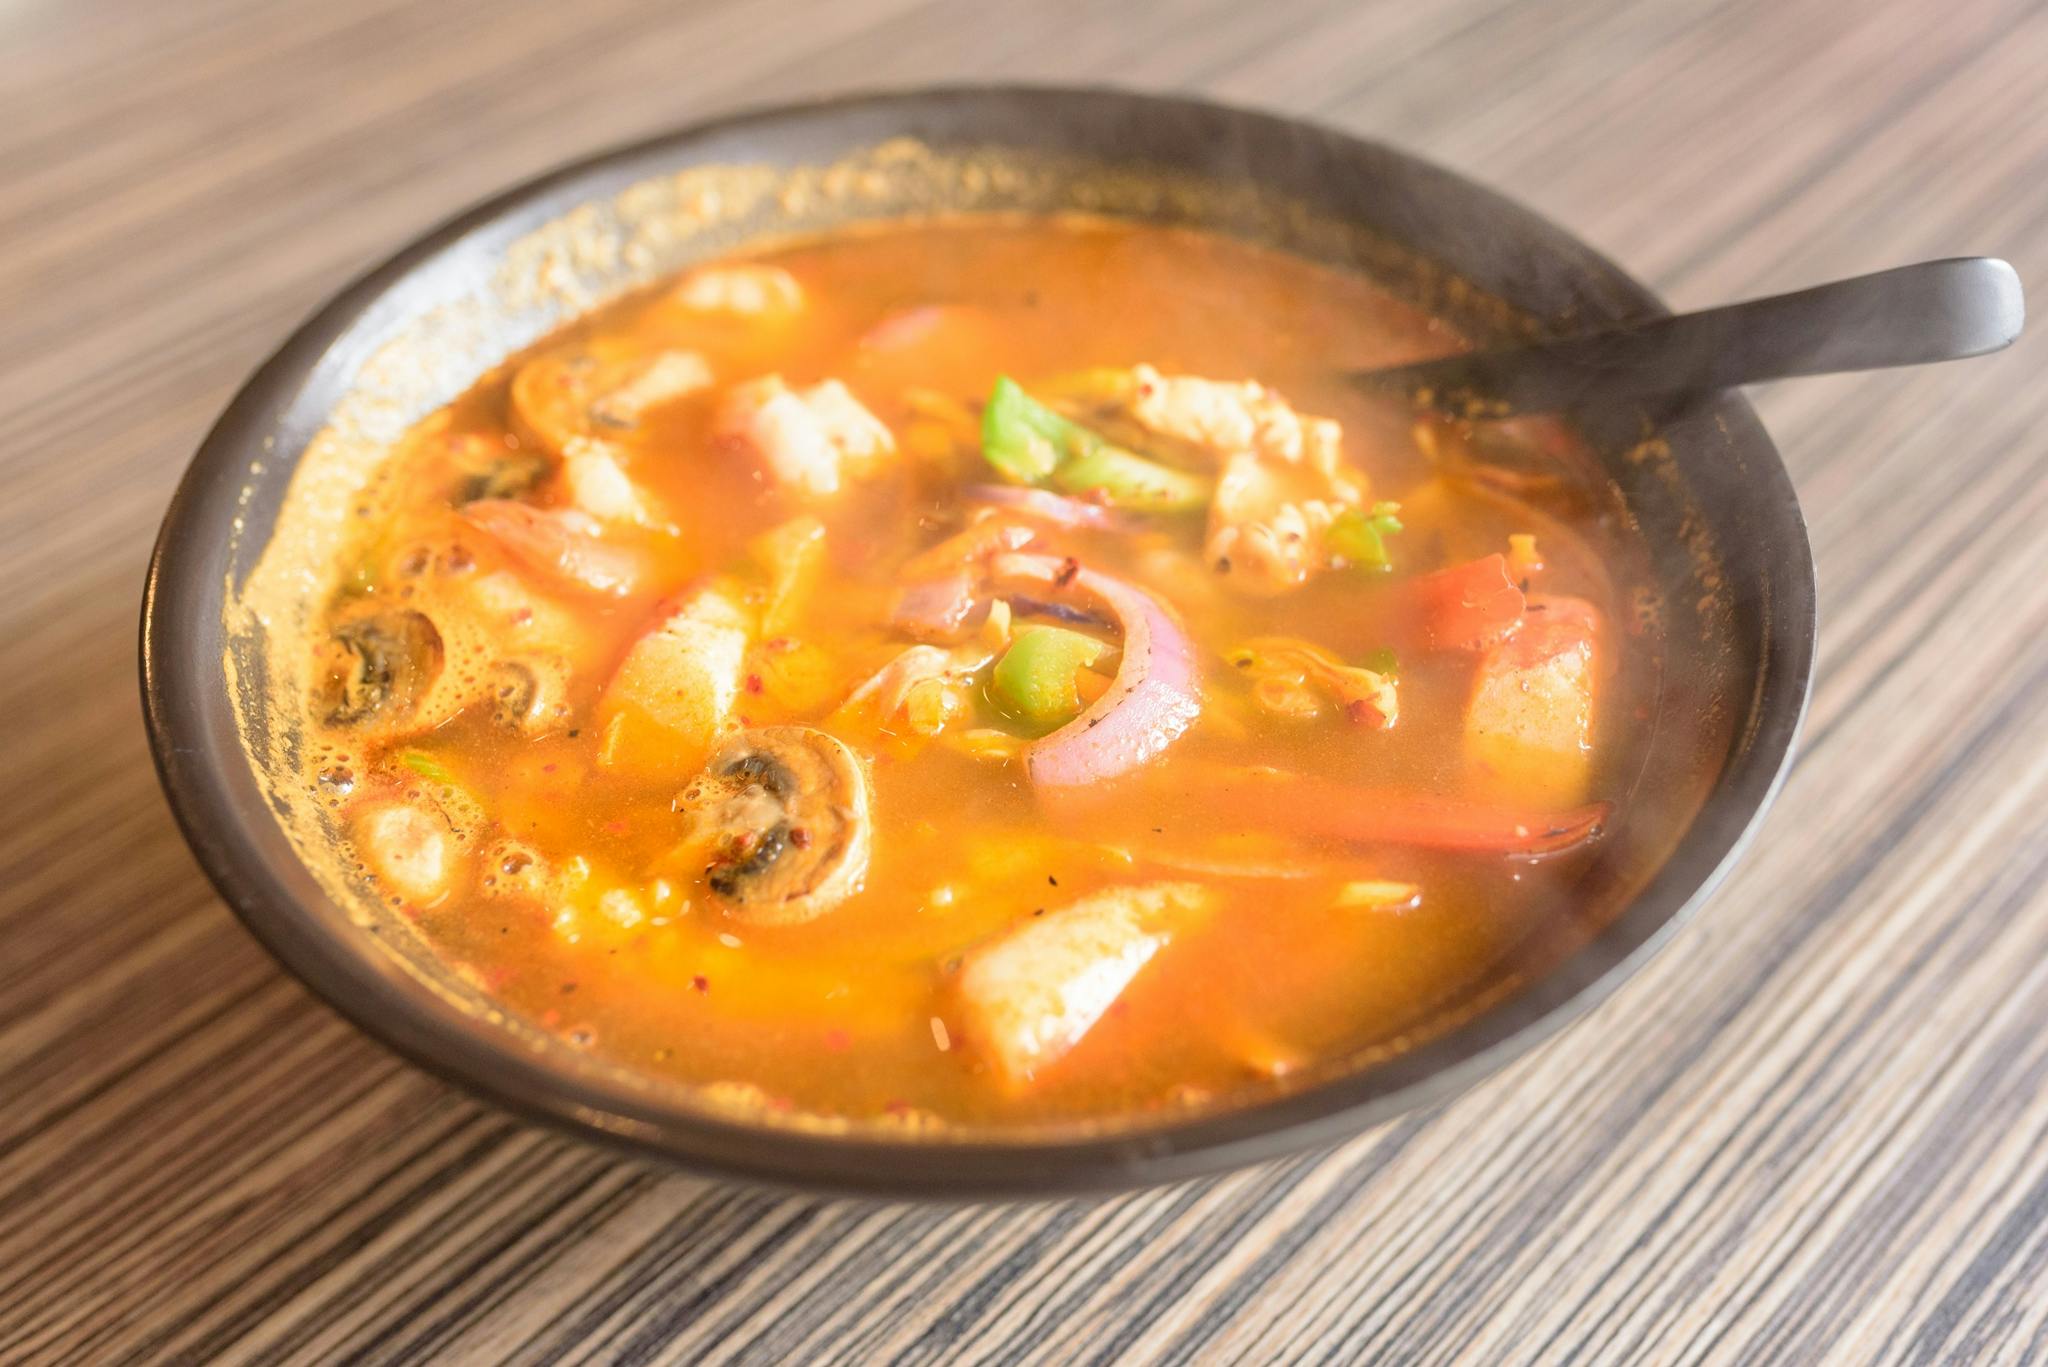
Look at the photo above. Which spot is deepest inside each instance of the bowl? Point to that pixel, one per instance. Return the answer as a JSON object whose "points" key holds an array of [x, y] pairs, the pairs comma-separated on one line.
{"points": [[1704, 485]]}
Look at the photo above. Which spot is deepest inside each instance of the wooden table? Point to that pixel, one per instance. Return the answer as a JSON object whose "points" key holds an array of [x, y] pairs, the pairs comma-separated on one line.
{"points": [[1818, 1124]]}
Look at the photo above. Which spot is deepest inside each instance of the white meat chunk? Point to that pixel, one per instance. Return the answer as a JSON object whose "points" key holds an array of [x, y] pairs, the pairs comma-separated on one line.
{"points": [[751, 291], [1226, 418], [408, 847], [598, 484], [668, 703], [810, 440], [1282, 479], [670, 376], [1030, 996], [1269, 523]]}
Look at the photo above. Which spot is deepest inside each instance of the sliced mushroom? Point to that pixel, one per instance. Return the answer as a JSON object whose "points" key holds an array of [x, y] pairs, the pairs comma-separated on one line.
{"points": [[379, 667], [489, 465], [511, 474], [528, 693], [785, 812]]}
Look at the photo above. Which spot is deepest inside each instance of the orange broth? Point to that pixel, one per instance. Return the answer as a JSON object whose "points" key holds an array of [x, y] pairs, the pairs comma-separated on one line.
{"points": [[626, 949]]}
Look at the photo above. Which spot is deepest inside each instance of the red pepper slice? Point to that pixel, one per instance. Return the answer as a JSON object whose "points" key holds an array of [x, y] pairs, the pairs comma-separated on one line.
{"points": [[1470, 606], [1379, 816]]}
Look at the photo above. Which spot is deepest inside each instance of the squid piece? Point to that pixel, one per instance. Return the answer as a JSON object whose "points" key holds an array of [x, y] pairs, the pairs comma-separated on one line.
{"points": [[970, 549], [946, 585], [807, 440], [499, 615], [1028, 997], [663, 711], [663, 379], [1529, 722], [793, 555], [938, 609]]}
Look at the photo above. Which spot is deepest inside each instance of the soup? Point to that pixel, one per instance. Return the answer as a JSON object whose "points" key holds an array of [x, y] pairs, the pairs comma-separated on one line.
{"points": [[981, 673]]}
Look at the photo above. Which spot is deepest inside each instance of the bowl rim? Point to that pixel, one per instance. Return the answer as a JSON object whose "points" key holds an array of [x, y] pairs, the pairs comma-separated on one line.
{"points": [[226, 819]]}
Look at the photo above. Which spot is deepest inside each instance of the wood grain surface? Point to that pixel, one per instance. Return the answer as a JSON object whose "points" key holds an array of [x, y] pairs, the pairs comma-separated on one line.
{"points": [[1816, 1127]]}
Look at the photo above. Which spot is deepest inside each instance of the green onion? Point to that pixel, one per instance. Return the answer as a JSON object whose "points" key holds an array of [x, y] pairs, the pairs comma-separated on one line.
{"points": [[1382, 662], [1360, 535], [427, 767], [1035, 678]]}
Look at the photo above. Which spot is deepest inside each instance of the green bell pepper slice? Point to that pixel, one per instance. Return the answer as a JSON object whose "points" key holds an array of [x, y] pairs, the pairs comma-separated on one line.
{"points": [[1034, 680], [1360, 536], [1032, 444]]}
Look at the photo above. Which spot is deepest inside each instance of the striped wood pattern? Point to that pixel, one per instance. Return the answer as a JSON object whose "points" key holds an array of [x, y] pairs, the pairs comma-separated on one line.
{"points": [[1817, 1125]]}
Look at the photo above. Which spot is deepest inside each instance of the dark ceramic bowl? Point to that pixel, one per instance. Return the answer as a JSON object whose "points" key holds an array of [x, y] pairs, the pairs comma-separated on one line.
{"points": [[1710, 497]]}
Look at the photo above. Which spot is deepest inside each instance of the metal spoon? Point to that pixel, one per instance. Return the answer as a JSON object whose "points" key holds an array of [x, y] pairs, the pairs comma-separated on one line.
{"points": [[1933, 311]]}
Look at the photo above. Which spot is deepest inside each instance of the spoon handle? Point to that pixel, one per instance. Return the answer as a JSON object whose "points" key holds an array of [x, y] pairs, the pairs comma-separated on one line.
{"points": [[1911, 315]]}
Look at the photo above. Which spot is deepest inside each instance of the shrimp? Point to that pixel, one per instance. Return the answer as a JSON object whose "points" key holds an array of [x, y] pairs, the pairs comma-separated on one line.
{"points": [[565, 543], [1282, 480]]}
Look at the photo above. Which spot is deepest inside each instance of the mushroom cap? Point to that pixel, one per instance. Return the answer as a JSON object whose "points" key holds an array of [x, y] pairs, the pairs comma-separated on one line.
{"points": [[786, 812], [380, 667]]}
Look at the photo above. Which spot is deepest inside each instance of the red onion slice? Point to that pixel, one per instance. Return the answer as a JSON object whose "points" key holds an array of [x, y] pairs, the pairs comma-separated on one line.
{"points": [[1152, 700], [938, 609], [1054, 508]]}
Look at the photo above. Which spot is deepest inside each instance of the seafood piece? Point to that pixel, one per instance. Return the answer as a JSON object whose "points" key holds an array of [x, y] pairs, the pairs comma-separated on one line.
{"points": [[663, 710], [808, 440], [408, 846], [1529, 723], [566, 544], [748, 290], [1281, 482], [564, 395], [1030, 996]]}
